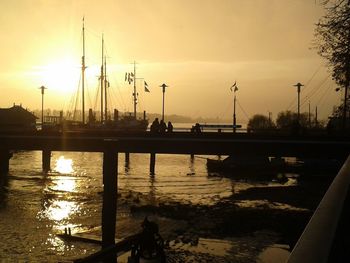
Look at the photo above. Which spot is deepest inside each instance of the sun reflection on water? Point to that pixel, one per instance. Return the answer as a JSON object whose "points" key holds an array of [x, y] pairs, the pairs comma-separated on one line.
{"points": [[59, 210], [64, 166], [64, 185]]}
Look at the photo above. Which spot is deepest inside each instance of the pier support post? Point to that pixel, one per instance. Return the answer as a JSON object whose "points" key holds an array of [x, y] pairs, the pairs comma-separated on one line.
{"points": [[152, 163], [5, 156], [127, 158], [109, 207], [46, 160]]}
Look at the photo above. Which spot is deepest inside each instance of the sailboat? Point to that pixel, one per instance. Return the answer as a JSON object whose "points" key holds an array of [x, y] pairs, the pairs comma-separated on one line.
{"points": [[106, 123]]}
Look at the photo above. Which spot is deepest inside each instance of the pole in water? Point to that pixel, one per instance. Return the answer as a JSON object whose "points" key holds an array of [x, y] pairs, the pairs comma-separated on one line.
{"points": [[127, 157], [46, 160], [110, 191], [152, 164]]}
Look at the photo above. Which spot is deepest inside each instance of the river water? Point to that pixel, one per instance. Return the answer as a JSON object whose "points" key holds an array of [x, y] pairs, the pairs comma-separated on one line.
{"points": [[35, 206]]}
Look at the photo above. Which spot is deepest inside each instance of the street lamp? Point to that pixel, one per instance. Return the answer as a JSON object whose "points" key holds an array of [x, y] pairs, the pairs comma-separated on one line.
{"points": [[234, 88], [163, 89], [298, 85], [42, 88]]}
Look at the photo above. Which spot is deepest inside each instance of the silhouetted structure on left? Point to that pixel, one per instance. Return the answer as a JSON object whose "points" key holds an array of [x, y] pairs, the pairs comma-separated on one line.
{"points": [[17, 118]]}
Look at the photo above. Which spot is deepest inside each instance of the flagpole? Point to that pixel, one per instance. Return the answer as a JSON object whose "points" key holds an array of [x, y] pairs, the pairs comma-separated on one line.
{"points": [[234, 112], [235, 88]]}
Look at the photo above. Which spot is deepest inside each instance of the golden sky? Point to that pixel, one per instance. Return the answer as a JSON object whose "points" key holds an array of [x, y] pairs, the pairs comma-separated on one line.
{"points": [[199, 48]]}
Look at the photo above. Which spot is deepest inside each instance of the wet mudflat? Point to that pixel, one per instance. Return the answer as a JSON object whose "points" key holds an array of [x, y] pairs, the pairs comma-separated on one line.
{"points": [[203, 217], [258, 224]]}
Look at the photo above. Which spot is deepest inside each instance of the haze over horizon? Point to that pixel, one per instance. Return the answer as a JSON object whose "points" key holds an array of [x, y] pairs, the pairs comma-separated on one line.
{"points": [[199, 48]]}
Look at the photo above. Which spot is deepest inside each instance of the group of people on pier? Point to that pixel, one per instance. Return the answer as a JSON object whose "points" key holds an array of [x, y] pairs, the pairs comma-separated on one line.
{"points": [[161, 127]]}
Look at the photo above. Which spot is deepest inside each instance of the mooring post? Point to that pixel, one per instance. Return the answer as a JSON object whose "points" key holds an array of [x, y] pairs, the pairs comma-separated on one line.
{"points": [[109, 207], [46, 160], [152, 163], [127, 158], [5, 156]]}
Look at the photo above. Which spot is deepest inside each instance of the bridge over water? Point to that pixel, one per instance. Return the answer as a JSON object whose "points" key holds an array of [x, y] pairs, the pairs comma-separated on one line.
{"points": [[173, 143], [181, 143]]}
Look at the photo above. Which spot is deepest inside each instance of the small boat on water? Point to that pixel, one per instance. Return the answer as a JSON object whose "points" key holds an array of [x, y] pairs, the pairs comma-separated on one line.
{"points": [[246, 164], [259, 165], [316, 166]]}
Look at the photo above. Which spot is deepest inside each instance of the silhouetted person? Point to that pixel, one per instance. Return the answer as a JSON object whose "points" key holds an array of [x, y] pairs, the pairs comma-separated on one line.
{"points": [[155, 126], [197, 128], [151, 243], [162, 126], [170, 127]]}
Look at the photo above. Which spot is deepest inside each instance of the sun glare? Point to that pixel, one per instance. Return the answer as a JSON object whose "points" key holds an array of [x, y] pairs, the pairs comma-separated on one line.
{"points": [[62, 75]]}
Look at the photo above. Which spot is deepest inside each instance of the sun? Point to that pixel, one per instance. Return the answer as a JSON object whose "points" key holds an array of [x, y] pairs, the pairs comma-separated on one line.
{"points": [[62, 75]]}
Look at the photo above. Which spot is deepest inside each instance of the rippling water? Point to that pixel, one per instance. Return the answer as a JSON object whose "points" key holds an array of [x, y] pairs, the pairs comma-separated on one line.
{"points": [[34, 206]]}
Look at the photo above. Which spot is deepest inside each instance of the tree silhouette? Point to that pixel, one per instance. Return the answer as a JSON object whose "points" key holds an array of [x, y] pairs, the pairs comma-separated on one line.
{"points": [[289, 120], [332, 40], [260, 122]]}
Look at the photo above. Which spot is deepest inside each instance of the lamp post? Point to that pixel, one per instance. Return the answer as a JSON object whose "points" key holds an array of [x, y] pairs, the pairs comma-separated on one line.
{"points": [[234, 88], [163, 90], [298, 85], [42, 88]]}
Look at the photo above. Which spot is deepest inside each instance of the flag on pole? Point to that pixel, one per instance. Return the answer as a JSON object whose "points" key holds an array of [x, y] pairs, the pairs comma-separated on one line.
{"points": [[146, 87], [234, 86]]}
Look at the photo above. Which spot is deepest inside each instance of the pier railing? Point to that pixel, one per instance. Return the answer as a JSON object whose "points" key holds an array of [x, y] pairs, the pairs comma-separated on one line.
{"points": [[326, 237]]}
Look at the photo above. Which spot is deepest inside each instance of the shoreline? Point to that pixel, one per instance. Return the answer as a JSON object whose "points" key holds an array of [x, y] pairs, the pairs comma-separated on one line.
{"points": [[245, 231]]}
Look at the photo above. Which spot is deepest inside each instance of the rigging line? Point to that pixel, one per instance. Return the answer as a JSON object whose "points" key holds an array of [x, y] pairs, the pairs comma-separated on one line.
{"points": [[328, 89], [97, 97], [76, 100], [110, 104], [226, 109], [70, 104], [92, 32], [306, 85], [88, 94], [73, 99], [120, 93], [314, 91], [291, 104], [240, 106], [115, 96], [313, 75], [73, 96]]}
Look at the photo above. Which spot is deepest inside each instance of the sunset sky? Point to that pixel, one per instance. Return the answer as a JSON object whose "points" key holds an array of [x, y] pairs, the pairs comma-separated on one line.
{"points": [[199, 48]]}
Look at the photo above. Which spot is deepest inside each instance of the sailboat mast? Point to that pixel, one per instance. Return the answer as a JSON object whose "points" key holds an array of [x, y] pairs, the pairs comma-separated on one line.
{"points": [[106, 85], [102, 82], [135, 94], [83, 67]]}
